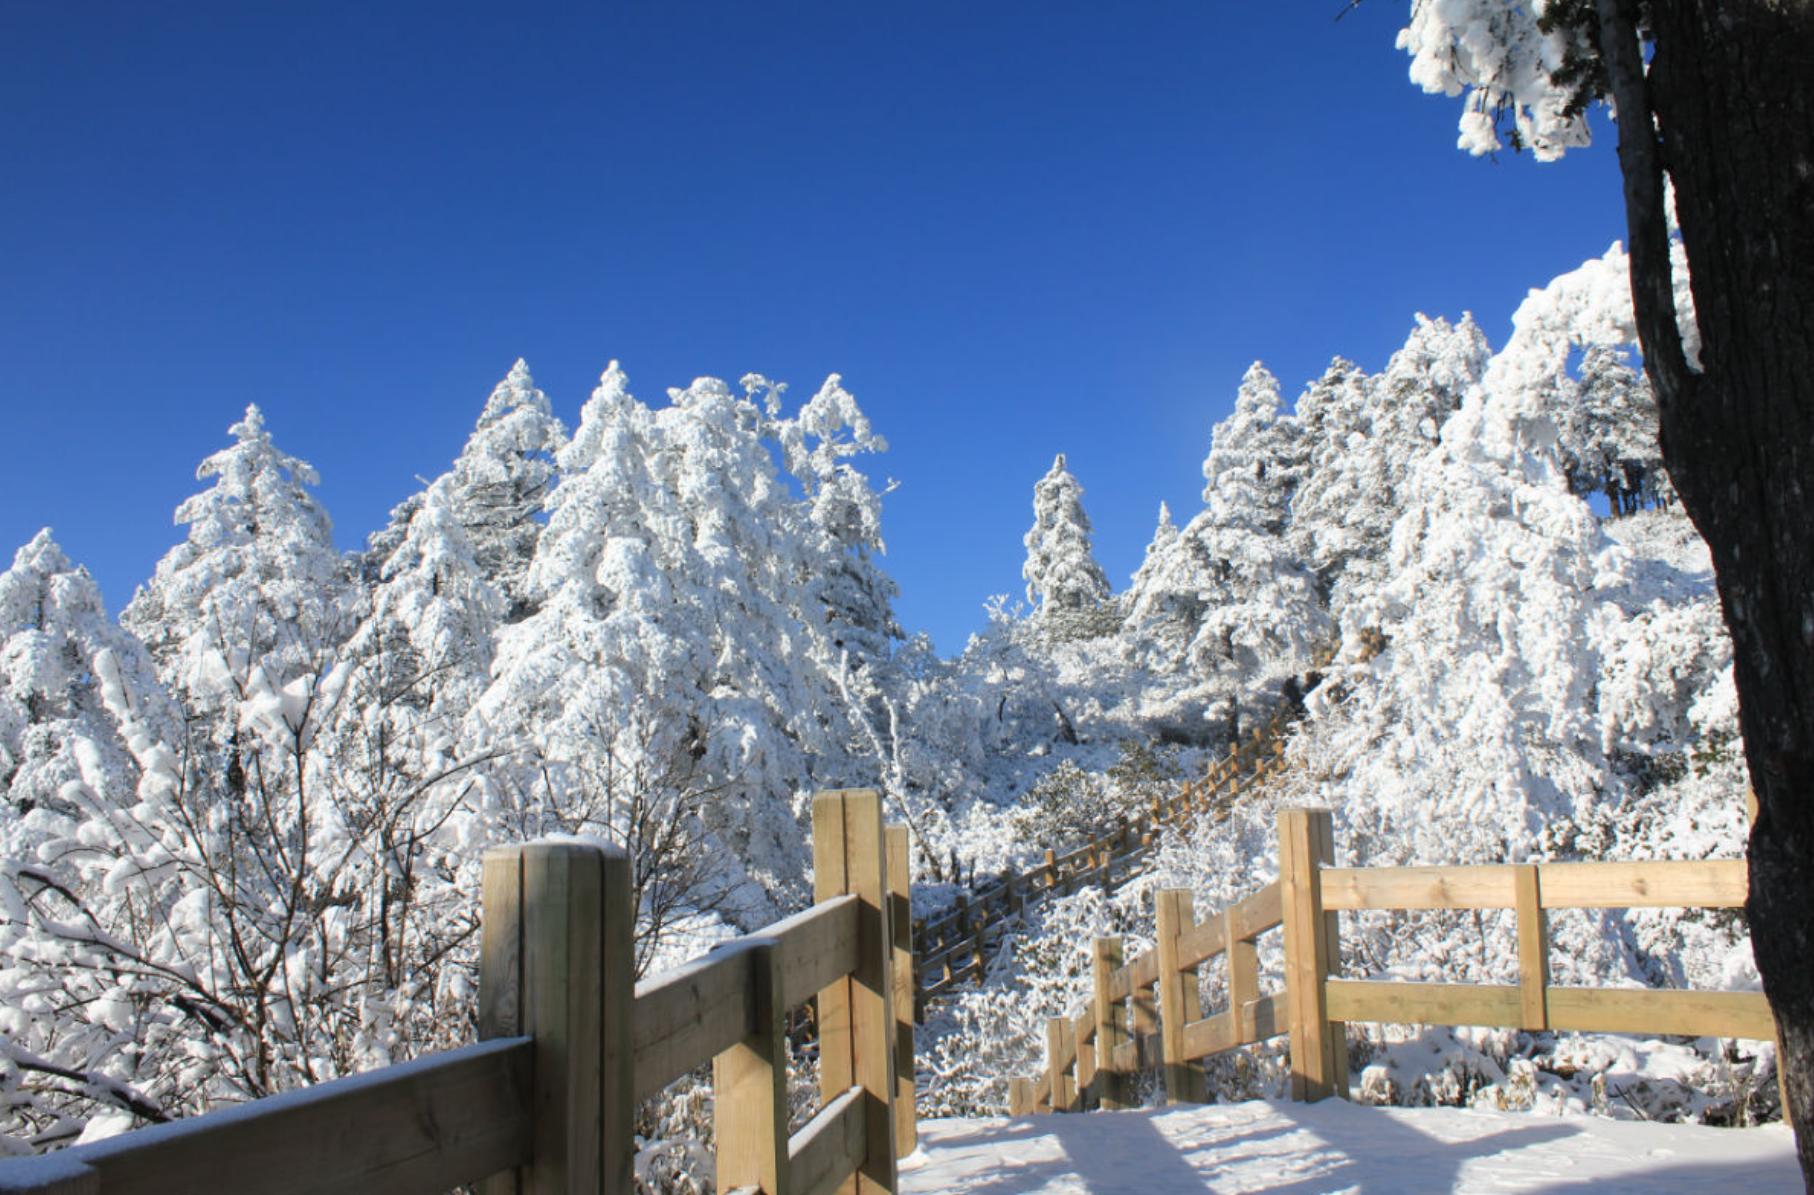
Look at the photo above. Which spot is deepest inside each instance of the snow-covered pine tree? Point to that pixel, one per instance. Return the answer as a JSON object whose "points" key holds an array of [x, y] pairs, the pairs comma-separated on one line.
{"points": [[500, 482], [256, 585], [268, 895], [1332, 417], [53, 626], [845, 515], [1065, 585], [1195, 611], [1367, 434], [1609, 434], [672, 687], [1261, 615]]}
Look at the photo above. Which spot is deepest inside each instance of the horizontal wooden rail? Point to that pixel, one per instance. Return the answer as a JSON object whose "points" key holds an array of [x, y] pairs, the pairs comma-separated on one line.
{"points": [[425, 1125], [1315, 1005], [1664, 883], [1585, 1010], [686, 1016], [829, 1147], [547, 1100]]}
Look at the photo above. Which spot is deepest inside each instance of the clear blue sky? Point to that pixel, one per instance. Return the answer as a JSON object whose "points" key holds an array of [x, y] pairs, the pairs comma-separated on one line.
{"points": [[1014, 228]]}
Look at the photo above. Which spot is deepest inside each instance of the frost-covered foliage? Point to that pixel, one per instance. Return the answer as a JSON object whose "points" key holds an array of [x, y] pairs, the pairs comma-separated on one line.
{"points": [[1514, 66], [1225, 602], [1518, 678], [698, 633], [1064, 582], [240, 829]]}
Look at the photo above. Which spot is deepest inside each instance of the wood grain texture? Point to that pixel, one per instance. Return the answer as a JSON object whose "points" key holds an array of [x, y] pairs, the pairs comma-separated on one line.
{"points": [[1662, 883], [1301, 840], [689, 1015], [1486, 886], [1533, 949], [425, 1125], [857, 1023], [1105, 960], [1177, 995], [900, 921], [825, 1154], [749, 1085]]}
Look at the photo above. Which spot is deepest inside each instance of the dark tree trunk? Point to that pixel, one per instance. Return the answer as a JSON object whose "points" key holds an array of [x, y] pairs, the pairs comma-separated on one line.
{"points": [[1731, 86]]}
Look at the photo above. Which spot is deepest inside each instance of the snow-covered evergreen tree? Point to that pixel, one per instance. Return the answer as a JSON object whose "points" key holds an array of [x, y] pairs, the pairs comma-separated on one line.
{"points": [[1065, 585], [1367, 434], [500, 482], [256, 585], [53, 626], [1263, 617], [845, 514], [1225, 606]]}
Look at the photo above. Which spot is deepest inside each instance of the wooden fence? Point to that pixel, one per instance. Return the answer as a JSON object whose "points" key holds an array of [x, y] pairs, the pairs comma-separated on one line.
{"points": [[1145, 1012], [953, 948], [545, 1102]]}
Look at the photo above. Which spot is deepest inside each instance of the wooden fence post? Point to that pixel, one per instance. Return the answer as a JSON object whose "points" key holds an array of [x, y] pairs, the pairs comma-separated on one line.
{"points": [[1060, 1045], [1318, 1046], [1177, 997], [1143, 1021], [1020, 1097], [856, 1012], [1051, 868], [963, 930], [556, 964], [1533, 949], [749, 1088], [1243, 976], [900, 912], [1109, 1033]]}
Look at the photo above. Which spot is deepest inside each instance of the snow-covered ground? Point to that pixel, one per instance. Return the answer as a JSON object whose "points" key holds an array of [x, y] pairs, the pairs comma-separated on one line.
{"points": [[1335, 1146]]}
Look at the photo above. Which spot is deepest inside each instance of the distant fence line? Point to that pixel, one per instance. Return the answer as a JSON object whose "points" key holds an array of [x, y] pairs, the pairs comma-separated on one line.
{"points": [[953, 948], [1145, 1013]]}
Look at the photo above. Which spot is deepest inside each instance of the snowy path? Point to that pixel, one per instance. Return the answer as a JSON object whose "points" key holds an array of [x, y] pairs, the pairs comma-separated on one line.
{"points": [[1309, 1149]]}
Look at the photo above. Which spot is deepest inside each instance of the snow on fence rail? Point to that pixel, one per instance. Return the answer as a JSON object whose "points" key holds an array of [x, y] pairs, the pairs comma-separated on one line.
{"points": [[546, 1101], [1091, 1056], [953, 948]]}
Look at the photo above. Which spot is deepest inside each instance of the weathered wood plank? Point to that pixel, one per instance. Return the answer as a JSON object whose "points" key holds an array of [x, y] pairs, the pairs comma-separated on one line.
{"points": [[1105, 961], [816, 946], [900, 928], [425, 1125], [1061, 1054], [1425, 1003], [1485, 886], [856, 1012], [1260, 911], [826, 1153], [1267, 1016], [1143, 972], [1655, 1011], [1243, 976], [1662, 883], [1533, 949], [1302, 855], [1200, 941], [688, 1015], [749, 1085], [1210, 1035], [1177, 995], [501, 969], [1020, 1097]]}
